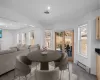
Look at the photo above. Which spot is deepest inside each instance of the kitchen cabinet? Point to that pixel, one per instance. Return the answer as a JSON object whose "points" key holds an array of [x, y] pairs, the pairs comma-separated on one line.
{"points": [[98, 28], [97, 50], [98, 67]]}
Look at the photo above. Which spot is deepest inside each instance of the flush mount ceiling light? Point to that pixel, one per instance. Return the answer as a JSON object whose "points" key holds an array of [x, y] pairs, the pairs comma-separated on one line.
{"points": [[47, 11]]}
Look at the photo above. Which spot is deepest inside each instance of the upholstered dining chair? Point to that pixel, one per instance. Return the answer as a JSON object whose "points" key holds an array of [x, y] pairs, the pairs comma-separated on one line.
{"points": [[47, 74], [34, 48], [63, 64], [22, 67]]}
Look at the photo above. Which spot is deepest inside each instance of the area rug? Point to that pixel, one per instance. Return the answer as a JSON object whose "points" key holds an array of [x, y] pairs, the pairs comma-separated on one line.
{"points": [[65, 75]]}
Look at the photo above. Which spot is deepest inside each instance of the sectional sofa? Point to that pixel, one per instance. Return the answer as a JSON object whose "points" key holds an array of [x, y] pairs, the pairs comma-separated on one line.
{"points": [[8, 57]]}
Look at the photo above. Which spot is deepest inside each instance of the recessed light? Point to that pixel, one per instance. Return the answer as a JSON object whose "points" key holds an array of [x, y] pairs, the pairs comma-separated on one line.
{"points": [[6, 26]]}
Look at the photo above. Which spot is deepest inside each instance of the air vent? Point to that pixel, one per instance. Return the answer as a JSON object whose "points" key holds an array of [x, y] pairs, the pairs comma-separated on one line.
{"points": [[46, 12]]}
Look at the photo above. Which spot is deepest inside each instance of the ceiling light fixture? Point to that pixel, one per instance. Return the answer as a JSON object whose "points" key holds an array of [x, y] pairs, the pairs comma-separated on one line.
{"points": [[47, 11]]}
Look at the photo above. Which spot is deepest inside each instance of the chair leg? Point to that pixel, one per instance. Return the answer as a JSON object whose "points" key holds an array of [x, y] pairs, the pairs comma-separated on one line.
{"points": [[68, 65], [26, 77], [61, 75], [62, 72], [69, 73], [19, 78], [14, 75], [35, 75], [30, 73], [36, 67]]}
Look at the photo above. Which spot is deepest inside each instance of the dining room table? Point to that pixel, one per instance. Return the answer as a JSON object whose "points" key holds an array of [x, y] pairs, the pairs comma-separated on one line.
{"points": [[44, 57]]}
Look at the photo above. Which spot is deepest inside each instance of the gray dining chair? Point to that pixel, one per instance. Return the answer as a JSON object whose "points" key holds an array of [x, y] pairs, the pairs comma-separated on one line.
{"points": [[47, 74], [63, 64], [34, 48], [22, 67]]}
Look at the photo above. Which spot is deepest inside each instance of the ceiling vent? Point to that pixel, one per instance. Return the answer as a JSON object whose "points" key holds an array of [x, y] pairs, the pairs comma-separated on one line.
{"points": [[46, 12]]}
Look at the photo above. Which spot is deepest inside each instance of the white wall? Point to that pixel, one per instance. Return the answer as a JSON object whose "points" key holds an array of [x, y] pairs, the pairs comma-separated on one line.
{"points": [[77, 56], [7, 39], [90, 61], [94, 44], [73, 26], [38, 35]]}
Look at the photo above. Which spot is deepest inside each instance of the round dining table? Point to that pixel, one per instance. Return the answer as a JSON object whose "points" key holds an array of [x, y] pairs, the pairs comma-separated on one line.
{"points": [[44, 57]]}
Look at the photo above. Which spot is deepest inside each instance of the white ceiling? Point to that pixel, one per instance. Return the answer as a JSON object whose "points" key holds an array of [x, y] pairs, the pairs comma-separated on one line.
{"points": [[5, 24], [9, 24], [62, 11]]}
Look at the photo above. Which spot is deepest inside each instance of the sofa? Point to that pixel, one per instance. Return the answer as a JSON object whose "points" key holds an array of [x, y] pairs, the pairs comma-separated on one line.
{"points": [[8, 57]]}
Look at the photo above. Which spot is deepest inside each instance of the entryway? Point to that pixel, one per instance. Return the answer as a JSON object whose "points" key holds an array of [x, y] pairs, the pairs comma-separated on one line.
{"points": [[64, 41]]}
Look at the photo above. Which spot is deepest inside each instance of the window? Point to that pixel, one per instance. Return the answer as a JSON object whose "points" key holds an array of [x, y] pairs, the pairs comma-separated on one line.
{"points": [[31, 37], [82, 40], [48, 39], [18, 41], [23, 38]]}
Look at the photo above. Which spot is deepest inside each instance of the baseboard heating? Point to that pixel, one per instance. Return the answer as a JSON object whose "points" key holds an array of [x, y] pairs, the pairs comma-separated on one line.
{"points": [[87, 69]]}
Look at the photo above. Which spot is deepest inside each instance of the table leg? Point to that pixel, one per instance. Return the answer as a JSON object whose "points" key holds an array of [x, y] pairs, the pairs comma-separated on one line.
{"points": [[44, 66]]}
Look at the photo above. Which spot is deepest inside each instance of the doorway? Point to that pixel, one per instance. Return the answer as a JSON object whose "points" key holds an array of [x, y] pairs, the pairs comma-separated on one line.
{"points": [[64, 42]]}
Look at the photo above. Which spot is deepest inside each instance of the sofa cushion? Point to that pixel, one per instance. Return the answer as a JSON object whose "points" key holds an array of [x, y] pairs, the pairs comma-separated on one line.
{"points": [[33, 49], [35, 46], [19, 46], [6, 52], [22, 47], [14, 48]]}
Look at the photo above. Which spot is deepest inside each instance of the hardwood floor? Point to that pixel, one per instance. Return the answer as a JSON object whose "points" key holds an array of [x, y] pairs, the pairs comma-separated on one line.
{"points": [[7, 76], [82, 75]]}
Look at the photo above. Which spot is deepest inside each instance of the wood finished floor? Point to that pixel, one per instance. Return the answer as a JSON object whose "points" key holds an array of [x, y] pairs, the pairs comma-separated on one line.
{"points": [[82, 75]]}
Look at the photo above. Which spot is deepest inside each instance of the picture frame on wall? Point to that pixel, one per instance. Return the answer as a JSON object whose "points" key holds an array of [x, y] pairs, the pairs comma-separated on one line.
{"points": [[0, 33]]}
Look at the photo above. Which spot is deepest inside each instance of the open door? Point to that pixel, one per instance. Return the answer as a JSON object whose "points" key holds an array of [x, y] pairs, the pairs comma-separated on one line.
{"points": [[69, 44], [64, 42]]}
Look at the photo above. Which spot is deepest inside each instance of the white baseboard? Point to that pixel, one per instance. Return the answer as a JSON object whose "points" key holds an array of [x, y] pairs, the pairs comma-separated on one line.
{"points": [[86, 68]]}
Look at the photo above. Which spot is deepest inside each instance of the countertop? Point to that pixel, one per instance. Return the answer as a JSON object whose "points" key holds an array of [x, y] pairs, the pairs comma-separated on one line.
{"points": [[97, 50]]}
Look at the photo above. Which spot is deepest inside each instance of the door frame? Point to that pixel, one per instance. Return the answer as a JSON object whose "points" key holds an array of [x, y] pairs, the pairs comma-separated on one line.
{"points": [[70, 59]]}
